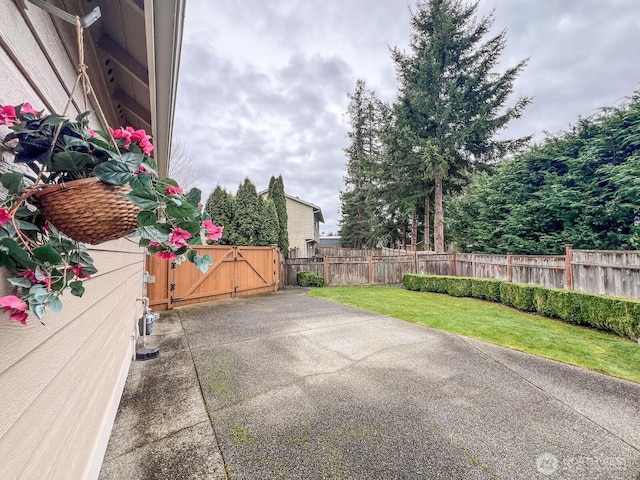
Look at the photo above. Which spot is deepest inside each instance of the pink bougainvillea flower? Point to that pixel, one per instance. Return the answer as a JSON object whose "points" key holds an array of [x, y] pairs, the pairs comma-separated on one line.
{"points": [[214, 232], [30, 275], [140, 170], [19, 316], [122, 133], [166, 255], [171, 190], [16, 306], [146, 146], [92, 133], [77, 271], [5, 216], [7, 115], [179, 237], [9, 302], [154, 244], [27, 108], [46, 226], [140, 136]]}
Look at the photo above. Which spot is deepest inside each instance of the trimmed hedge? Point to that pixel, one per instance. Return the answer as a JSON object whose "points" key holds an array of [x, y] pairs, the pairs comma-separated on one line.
{"points": [[309, 279], [617, 315]]}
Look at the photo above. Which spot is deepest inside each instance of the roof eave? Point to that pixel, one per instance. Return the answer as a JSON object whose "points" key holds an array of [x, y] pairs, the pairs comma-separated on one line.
{"points": [[164, 23]]}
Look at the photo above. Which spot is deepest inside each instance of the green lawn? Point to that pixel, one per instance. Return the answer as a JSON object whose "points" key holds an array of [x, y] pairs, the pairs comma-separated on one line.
{"points": [[584, 347]]}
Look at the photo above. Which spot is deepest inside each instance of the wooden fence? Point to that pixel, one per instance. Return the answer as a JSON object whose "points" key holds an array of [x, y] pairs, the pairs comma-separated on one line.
{"points": [[614, 273], [235, 272]]}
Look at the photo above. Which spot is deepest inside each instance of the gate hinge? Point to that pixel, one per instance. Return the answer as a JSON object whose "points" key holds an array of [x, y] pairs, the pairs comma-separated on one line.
{"points": [[172, 287], [173, 265]]}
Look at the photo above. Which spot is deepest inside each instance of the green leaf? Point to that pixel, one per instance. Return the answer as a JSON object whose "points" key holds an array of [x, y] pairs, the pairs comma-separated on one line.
{"points": [[68, 161], [113, 172], [89, 270], [132, 160], [169, 181], [70, 141], [77, 289], [14, 182], [39, 293], [24, 225], [194, 196], [20, 282], [203, 262], [163, 228], [55, 304], [191, 256], [37, 309], [151, 163], [146, 218], [147, 199], [17, 253], [142, 180], [48, 254], [180, 211]]}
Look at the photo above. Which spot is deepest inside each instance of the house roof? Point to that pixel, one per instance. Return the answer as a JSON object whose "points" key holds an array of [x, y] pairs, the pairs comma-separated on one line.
{"points": [[316, 209], [133, 57]]}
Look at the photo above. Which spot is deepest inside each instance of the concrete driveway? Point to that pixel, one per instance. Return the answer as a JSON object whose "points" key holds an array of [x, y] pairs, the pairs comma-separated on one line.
{"points": [[292, 387]]}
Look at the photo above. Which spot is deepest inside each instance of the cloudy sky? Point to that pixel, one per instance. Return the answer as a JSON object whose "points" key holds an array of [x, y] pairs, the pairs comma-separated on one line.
{"points": [[263, 84]]}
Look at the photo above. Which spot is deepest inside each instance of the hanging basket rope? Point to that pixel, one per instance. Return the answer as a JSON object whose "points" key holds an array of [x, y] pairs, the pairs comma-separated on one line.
{"points": [[87, 210]]}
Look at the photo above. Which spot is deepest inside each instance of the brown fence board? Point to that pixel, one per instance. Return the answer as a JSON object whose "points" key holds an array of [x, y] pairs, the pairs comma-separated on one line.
{"points": [[614, 273], [235, 272]]}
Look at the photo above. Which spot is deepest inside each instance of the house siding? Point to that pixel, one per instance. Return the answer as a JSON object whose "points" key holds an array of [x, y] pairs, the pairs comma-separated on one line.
{"points": [[300, 226], [60, 384]]}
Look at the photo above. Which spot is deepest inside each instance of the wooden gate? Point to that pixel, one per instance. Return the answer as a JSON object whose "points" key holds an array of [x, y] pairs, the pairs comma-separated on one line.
{"points": [[235, 272]]}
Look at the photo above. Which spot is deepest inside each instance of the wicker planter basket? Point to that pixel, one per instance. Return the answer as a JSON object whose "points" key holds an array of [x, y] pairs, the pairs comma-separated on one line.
{"points": [[88, 210]]}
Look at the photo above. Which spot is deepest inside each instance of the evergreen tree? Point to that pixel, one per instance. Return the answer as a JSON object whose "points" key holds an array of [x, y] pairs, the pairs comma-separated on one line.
{"points": [[450, 99], [276, 193], [220, 206], [580, 187], [360, 201], [247, 215], [269, 228]]}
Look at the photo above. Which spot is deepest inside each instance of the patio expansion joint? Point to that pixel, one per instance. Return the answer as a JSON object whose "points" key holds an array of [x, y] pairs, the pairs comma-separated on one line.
{"points": [[203, 398], [545, 392], [140, 445]]}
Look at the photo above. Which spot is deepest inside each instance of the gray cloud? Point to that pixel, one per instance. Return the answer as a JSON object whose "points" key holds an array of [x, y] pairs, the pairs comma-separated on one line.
{"points": [[263, 85]]}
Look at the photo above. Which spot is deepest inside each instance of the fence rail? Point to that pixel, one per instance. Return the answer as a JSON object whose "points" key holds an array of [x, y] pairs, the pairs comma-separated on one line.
{"points": [[613, 273]]}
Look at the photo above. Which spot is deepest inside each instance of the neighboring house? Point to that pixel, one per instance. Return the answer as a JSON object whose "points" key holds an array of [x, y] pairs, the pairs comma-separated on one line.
{"points": [[303, 226], [60, 384], [334, 241]]}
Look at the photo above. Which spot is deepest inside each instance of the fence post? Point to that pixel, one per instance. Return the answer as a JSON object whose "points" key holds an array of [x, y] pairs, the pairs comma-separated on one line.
{"points": [[454, 267], [568, 268], [325, 262], [473, 265], [509, 274], [370, 269], [415, 262]]}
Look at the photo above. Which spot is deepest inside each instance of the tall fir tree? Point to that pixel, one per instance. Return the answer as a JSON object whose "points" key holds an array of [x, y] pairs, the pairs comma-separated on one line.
{"points": [[360, 201], [220, 206], [450, 97], [269, 228], [247, 211], [276, 193]]}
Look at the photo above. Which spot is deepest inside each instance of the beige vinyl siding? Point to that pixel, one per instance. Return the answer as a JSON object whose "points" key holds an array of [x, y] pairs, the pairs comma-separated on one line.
{"points": [[60, 384], [299, 225]]}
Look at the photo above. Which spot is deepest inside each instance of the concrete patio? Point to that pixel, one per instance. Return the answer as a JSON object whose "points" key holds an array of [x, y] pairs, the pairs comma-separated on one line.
{"points": [[288, 386]]}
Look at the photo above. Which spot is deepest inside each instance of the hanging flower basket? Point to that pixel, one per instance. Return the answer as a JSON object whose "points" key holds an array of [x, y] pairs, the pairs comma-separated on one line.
{"points": [[88, 210]]}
